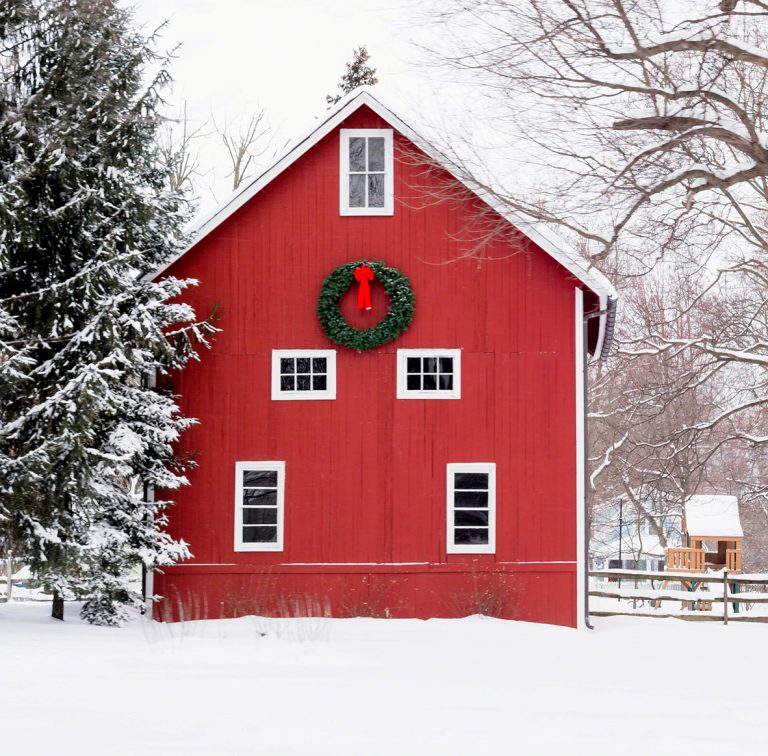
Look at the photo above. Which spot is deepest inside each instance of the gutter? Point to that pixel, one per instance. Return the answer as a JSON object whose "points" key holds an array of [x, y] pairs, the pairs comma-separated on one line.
{"points": [[607, 327]]}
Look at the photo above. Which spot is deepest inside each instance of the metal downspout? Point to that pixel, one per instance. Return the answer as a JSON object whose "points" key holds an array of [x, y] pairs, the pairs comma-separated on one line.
{"points": [[585, 462]]}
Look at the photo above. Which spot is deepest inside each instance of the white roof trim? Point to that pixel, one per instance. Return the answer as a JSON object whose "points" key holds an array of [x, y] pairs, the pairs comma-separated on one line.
{"points": [[543, 237]]}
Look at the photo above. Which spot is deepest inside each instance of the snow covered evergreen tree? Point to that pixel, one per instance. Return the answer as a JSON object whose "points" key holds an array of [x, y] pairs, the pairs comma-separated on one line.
{"points": [[358, 74], [85, 214]]}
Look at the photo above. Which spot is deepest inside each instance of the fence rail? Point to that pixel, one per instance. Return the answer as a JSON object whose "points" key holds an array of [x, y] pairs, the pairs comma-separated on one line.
{"points": [[697, 604]]}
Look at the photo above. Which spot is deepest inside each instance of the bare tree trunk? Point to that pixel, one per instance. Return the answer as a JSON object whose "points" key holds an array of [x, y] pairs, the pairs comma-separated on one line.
{"points": [[57, 606], [244, 146], [8, 578], [178, 151]]}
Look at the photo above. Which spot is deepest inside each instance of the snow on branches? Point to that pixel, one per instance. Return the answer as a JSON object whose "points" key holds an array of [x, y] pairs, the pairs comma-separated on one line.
{"points": [[85, 214], [646, 125]]}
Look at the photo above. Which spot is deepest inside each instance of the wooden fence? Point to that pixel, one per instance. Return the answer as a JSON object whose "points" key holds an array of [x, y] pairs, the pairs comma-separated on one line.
{"points": [[697, 605]]}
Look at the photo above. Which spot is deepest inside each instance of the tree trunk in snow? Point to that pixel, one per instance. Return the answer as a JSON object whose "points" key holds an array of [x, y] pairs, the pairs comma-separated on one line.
{"points": [[57, 606], [8, 578]]}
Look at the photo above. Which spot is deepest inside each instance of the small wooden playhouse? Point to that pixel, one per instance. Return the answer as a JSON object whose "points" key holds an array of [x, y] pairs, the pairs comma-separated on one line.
{"points": [[386, 425], [712, 534]]}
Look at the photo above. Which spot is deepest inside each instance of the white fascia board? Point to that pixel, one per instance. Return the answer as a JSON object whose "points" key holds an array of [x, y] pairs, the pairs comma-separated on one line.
{"points": [[298, 148], [542, 237]]}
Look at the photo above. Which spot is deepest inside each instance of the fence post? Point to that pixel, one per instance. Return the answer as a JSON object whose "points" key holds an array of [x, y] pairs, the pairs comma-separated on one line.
{"points": [[725, 596]]}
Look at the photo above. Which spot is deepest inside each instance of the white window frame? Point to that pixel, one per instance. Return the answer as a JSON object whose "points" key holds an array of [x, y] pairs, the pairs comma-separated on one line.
{"points": [[293, 396], [471, 467], [402, 379], [389, 172], [240, 468]]}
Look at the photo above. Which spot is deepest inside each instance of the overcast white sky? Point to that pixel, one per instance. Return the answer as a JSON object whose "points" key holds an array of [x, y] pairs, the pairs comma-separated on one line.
{"points": [[237, 56]]}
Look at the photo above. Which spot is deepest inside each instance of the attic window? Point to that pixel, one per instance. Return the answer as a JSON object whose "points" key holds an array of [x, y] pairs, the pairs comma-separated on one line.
{"points": [[367, 174]]}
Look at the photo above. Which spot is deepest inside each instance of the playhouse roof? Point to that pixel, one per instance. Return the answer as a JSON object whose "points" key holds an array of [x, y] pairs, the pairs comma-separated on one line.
{"points": [[555, 247], [713, 516]]}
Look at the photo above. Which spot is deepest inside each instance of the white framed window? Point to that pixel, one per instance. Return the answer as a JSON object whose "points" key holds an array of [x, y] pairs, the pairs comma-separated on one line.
{"points": [[303, 374], [471, 508], [429, 374], [366, 185], [259, 506]]}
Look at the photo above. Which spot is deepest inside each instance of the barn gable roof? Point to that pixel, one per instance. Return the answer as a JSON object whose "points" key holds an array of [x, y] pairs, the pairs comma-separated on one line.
{"points": [[544, 238]]}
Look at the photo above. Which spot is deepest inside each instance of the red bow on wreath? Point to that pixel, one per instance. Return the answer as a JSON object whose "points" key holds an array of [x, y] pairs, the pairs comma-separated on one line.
{"points": [[364, 274]]}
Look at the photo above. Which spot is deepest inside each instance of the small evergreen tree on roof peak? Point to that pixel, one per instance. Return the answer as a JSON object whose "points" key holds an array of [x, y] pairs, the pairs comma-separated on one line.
{"points": [[358, 74]]}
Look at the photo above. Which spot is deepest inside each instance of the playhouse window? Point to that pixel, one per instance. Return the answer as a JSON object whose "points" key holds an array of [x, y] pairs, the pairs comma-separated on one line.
{"points": [[428, 373], [366, 172], [259, 495], [303, 374], [472, 508]]}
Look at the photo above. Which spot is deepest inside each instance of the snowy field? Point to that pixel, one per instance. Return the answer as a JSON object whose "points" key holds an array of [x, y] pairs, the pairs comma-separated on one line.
{"points": [[369, 686]]}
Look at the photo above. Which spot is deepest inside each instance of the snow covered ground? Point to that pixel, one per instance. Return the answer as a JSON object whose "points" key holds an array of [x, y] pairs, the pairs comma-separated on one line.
{"points": [[365, 687]]}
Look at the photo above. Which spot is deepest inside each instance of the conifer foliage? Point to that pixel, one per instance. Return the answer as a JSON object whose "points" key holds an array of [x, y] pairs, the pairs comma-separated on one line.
{"points": [[358, 74], [85, 214]]}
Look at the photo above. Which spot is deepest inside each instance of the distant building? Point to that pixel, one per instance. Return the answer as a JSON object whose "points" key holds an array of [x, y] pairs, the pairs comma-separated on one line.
{"points": [[623, 538]]}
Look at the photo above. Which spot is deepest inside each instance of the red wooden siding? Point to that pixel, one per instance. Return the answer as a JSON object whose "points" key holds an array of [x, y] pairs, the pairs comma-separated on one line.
{"points": [[365, 474]]}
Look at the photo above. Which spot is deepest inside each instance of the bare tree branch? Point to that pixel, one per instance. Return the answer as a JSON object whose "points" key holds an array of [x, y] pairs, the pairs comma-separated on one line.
{"points": [[244, 144]]}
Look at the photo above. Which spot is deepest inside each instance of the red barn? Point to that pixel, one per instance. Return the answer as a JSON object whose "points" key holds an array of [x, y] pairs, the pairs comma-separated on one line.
{"points": [[418, 455]]}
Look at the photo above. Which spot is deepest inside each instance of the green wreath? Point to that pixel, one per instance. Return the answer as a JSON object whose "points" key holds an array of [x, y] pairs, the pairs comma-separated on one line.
{"points": [[397, 319]]}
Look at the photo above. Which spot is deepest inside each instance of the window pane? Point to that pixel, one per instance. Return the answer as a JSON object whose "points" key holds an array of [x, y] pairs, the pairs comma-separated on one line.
{"points": [[471, 480], [430, 364], [376, 190], [287, 383], [446, 382], [286, 365], [375, 153], [414, 383], [414, 364], [318, 383], [261, 496], [258, 516], [357, 154], [303, 383], [260, 534], [430, 383], [265, 478], [302, 365], [471, 536], [470, 498], [463, 517], [357, 190], [446, 364], [319, 365]]}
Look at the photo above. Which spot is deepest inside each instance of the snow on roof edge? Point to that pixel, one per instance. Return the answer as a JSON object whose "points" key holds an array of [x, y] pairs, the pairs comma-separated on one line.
{"points": [[713, 515]]}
